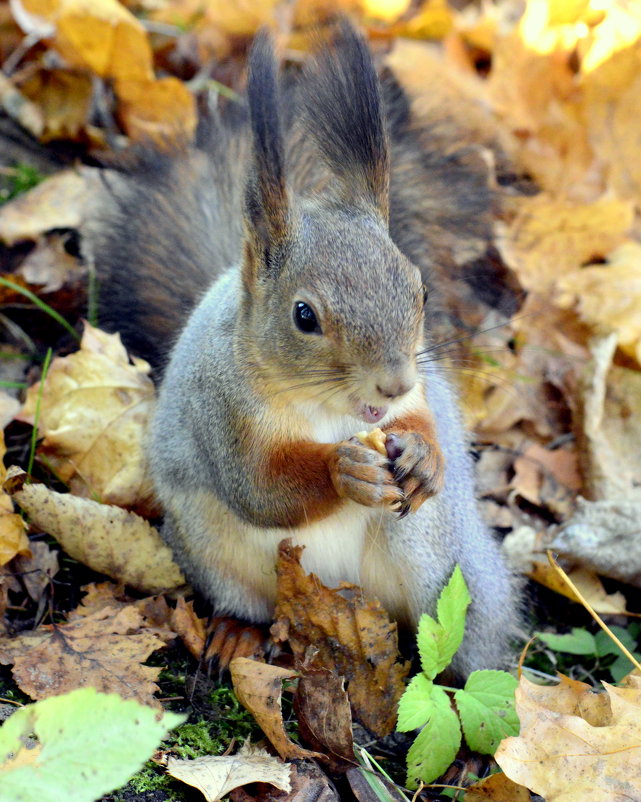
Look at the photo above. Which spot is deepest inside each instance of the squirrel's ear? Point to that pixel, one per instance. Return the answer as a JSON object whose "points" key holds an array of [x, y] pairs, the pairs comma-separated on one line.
{"points": [[266, 202], [344, 114]]}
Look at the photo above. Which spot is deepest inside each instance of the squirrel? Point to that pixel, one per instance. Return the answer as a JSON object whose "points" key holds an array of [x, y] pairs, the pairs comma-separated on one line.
{"points": [[289, 253]]}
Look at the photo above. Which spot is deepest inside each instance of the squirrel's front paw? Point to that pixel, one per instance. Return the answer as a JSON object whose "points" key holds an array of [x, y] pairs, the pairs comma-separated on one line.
{"points": [[362, 474], [417, 467]]}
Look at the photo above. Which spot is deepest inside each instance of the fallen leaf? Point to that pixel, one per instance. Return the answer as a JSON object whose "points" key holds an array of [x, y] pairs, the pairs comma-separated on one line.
{"points": [[95, 404], [64, 99], [258, 688], [104, 650], [351, 635], [496, 788], [549, 238], [309, 784], [573, 746], [191, 629], [324, 717], [13, 531], [217, 776], [607, 419], [604, 536], [57, 203], [108, 539], [38, 569], [587, 583]]}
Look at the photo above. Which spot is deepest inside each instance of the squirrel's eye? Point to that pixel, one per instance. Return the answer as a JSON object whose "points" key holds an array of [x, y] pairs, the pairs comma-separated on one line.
{"points": [[424, 294], [305, 318]]}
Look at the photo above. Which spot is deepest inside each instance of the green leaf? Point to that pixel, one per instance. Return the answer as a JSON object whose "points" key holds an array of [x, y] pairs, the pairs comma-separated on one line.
{"points": [[439, 640], [437, 743], [622, 666], [88, 744], [451, 610], [605, 645], [486, 707], [579, 641], [416, 704], [430, 638]]}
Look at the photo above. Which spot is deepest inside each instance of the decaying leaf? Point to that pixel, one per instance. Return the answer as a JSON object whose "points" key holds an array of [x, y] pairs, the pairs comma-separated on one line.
{"points": [[94, 408], [576, 744], [38, 569], [350, 635], [324, 717], [258, 687], [104, 650], [106, 538], [217, 776]]}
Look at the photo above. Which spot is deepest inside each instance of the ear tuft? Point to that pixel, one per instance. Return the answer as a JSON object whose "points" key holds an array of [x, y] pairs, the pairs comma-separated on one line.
{"points": [[344, 114], [266, 203]]}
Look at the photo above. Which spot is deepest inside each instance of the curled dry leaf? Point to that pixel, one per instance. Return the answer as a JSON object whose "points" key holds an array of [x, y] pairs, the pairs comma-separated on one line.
{"points": [[38, 569], [351, 635], [576, 744], [258, 687], [104, 649], [94, 409], [324, 716], [13, 532], [107, 539], [496, 788], [217, 776]]}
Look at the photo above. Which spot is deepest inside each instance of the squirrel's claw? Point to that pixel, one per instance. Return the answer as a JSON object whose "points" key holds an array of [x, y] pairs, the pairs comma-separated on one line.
{"points": [[417, 467]]}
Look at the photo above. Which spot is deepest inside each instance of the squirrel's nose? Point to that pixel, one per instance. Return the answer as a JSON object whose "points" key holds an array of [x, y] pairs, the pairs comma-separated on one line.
{"points": [[396, 387]]}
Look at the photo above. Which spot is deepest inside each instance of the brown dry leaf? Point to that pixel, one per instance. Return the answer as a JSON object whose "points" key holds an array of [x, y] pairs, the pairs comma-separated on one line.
{"points": [[104, 650], [549, 238], [547, 478], [191, 629], [607, 296], [108, 539], [587, 583], [351, 635], [95, 406], [58, 202], [258, 688], [324, 718], [309, 784], [496, 788], [574, 744], [13, 531], [607, 421], [64, 99], [38, 569], [217, 776], [156, 110], [48, 268]]}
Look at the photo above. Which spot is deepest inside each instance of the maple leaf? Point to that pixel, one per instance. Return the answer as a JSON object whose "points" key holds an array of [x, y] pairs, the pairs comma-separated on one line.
{"points": [[576, 744], [103, 649]]}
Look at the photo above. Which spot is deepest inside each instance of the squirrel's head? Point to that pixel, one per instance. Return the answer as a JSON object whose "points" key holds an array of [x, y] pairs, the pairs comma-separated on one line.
{"points": [[335, 310]]}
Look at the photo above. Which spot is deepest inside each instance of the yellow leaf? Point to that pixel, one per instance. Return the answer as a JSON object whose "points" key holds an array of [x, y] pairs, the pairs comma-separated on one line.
{"points": [[94, 409], [159, 110], [574, 745], [13, 535], [608, 296], [549, 238]]}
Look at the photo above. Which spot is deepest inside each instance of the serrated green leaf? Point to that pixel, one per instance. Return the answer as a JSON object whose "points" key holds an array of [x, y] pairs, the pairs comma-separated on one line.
{"points": [[579, 641], [437, 743], [605, 645], [451, 611], [430, 638], [486, 707], [415, 705], [88, 744]]}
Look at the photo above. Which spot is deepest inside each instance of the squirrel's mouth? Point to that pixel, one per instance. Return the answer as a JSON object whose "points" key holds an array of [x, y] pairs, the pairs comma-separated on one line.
{"points": [[370, 414]]}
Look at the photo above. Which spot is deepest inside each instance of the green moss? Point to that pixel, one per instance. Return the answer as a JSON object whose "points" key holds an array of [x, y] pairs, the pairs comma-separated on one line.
{"points": [[16, 180]]}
